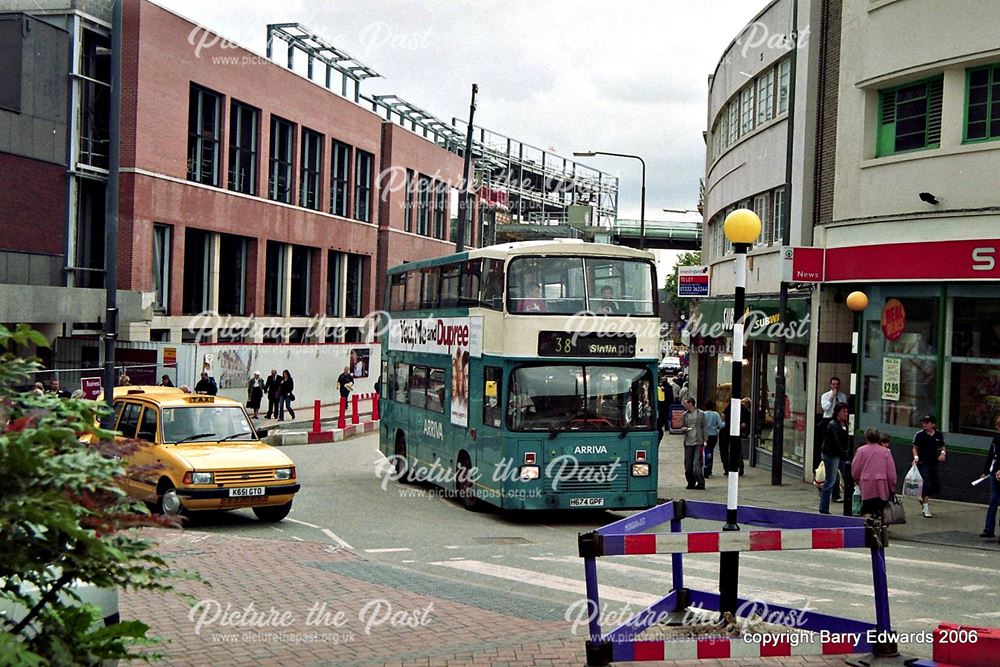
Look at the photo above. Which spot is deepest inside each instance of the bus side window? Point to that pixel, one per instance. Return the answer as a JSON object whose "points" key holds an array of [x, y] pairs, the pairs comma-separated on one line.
{"points": [[418, 387], [492, 391], [493, 285], [402, 382]]}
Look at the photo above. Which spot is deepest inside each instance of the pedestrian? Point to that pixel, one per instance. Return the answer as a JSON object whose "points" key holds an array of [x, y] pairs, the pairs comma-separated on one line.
{"points": [[286, 395], [345, 383], [713, 423], [928, 453], [694, 443], [124, 380], [828, 401], [675, 387], [206, 385], [38, 389], [165, 381], [874, 472], [991, 469], [55, 389], [836, 446], [272, 387], [255, 392]]}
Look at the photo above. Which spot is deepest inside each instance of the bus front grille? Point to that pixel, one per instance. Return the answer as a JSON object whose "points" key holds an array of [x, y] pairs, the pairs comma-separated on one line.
{"points": [[577, 477]]}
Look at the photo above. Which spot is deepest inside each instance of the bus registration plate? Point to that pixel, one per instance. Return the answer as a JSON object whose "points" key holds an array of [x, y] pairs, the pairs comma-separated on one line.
{"points": [[586, 502], [246, 491]]}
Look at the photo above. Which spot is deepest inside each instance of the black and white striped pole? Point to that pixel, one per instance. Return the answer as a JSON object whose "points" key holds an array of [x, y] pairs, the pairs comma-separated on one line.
{"points": [[742, 227]]}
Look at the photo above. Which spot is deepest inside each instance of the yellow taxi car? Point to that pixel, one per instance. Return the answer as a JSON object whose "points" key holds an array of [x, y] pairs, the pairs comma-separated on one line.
{"points": [[200, 452]]}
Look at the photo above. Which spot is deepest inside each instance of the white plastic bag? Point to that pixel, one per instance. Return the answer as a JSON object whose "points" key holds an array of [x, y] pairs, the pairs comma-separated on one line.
{"points": [[820, 476], [913, 483]]}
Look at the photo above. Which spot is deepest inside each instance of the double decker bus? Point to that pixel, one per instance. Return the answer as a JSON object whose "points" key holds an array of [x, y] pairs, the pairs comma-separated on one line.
{"points": [[523, 375]]}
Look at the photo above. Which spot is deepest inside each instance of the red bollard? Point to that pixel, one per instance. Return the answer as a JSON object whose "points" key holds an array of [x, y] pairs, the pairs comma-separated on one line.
{"points": [[354, 408], [375, 407], [341, 420], [316, 416]]}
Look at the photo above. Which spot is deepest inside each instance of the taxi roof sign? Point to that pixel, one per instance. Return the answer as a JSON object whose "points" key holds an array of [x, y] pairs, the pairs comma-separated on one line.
{"points": [[200, 398]]}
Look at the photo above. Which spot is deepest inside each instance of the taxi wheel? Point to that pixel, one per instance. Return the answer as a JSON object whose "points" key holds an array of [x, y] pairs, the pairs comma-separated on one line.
{"points": [[274, 513], [168, 503], [463, 483]]}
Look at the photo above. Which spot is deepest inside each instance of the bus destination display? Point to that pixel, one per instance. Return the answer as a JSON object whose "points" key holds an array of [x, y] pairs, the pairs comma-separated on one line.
{"points": [[564, 344]]}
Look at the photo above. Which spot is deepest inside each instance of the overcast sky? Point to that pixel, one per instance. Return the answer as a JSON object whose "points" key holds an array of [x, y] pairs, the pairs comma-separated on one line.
{"points": [[567, 75]]}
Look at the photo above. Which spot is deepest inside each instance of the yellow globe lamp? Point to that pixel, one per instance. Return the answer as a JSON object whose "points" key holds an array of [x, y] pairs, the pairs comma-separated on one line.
{"points": [[857, 301], [742, 226]]}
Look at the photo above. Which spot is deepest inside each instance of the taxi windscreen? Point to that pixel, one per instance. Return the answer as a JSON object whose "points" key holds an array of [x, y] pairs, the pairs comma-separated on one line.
{"points": [[202, 423]]}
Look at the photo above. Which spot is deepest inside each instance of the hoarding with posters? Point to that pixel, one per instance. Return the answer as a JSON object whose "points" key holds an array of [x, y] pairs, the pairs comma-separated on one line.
{"points": [[461, 338]]}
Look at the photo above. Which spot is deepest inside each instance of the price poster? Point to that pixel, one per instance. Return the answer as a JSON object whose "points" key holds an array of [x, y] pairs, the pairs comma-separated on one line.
{"points": [[890, 379]]}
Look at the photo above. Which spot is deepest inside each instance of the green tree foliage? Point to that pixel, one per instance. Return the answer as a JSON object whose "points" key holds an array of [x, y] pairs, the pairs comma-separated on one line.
{"points": [[682, 305], [63, 520]]}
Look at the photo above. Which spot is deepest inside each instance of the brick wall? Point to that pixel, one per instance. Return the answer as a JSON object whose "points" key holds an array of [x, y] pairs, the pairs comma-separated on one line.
{"points": [[32, 205]]}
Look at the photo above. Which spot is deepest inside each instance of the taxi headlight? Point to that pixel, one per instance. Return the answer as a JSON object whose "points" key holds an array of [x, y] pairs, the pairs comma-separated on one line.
{"points": [[640, 470], [201, 478], [283, 473], [530, 472]]}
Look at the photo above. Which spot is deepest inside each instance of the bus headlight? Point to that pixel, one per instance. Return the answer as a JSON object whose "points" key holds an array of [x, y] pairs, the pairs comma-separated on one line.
{"points": [[530, 472], [640, 470]]}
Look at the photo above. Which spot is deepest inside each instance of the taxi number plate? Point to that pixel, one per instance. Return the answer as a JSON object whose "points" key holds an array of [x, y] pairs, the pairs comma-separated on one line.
{"points": [[246, 491], [586, 502]]}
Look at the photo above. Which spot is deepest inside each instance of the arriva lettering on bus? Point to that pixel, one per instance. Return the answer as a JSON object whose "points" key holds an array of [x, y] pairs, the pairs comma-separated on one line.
{"points": [[433, 430], [590, 449]]}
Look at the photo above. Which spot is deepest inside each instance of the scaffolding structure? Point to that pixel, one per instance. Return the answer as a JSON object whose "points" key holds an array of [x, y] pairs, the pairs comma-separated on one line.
{"points": [[517, 183]]}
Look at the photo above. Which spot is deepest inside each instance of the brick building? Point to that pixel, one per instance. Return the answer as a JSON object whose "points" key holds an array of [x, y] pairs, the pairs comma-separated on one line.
{"points": [[246, 189]]}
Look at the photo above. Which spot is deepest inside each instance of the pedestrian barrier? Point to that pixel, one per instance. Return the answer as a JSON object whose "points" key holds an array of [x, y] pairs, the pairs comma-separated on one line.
{"points": [[965, 646], [785, 530]]}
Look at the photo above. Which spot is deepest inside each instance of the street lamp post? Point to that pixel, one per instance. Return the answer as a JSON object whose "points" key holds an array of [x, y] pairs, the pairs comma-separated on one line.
{"points": [[742, 227], [642, 204], [856, 302]]}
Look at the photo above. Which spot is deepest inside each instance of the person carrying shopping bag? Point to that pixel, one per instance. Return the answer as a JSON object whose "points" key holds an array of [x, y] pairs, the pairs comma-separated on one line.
{"points": [[874, 472]]}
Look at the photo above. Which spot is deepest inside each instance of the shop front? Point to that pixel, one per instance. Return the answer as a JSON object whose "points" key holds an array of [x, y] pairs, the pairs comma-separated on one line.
{"points": [[711, 330], [935, 349]]}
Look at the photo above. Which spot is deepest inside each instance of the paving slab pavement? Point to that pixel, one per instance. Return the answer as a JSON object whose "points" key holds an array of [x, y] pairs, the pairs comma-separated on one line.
{"points": [[265, 602]]}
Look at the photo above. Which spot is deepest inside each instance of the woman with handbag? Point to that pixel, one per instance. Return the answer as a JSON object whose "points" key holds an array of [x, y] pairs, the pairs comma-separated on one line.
{"points": [[874, 472], [286, 396]]}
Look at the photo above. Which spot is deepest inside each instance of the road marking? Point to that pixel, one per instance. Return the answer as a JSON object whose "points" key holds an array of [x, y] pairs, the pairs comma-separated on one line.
{"points": [[333, 536], [407, 561], [701, 583], [910, 563], [302, 523], [548, 581], [388, 550], [297, 538], [453, 546]]}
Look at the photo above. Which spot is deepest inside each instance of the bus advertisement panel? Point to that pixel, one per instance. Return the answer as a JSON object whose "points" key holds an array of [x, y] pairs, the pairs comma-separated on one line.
{"points": [[461, 338]]}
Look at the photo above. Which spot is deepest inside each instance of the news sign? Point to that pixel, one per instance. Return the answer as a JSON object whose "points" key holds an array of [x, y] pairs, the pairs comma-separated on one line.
{"points": [[692, 281]]}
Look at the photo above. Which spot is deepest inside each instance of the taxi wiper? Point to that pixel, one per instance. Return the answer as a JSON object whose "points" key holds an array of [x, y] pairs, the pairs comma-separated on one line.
{"points": [[235, 435], [193, 437]]}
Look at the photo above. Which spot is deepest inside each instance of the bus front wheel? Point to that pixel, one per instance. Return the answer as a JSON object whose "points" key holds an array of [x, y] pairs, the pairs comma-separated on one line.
{"points": [[463, 483]]}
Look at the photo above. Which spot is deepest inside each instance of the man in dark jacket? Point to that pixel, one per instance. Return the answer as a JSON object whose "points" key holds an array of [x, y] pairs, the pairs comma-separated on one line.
{"points": [[206, 385], [836, 449], [272, 387]]}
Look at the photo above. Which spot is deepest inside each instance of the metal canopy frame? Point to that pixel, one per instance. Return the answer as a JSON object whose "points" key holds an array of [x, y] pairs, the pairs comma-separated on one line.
{"points": [[300, 38]]}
